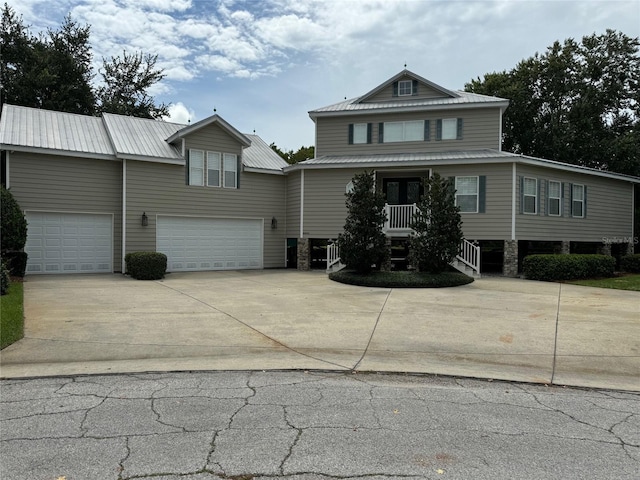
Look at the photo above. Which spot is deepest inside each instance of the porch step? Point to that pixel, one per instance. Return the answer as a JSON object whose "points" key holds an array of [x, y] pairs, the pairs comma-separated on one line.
{"points": [[464, 268], [336, 266]]}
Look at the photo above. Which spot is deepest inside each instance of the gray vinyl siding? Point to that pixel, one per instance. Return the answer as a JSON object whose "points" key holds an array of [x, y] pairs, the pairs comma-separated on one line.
{"points": [[52, 183], [293, 204], [481, 130], [160, 189], [215, 139], [495, 222], [386, 95], [609, 209]]}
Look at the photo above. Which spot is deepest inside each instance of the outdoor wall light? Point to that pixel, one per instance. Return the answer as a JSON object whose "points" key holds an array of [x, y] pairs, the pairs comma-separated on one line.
{"points": [[274, 223], [145, 219]]}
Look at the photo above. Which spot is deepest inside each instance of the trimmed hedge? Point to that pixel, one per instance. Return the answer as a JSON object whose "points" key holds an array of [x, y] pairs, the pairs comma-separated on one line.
{"points": [[16, 263], [401, 279], [146, 265], [630, 263], [567, 267], [4, 279]]}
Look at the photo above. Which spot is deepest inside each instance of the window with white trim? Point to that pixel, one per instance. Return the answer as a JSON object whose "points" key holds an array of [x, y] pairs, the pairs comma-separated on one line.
{"points": [[530, 195], [405, 87], [213, 169], [467, 194], [404, 131], [449, 129], [196, 167], [230, 169], [360, 133], [554, 197], [577, 201]]}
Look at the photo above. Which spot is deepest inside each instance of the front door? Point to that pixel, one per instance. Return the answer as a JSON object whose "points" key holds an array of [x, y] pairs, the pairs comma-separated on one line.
{"points": [[402, 191]]}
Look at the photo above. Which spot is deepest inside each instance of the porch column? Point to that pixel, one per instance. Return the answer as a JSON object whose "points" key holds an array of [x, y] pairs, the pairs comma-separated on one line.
{"points": [[304, 259], [604, 249], [510, 258], [386, 265], [565, 247], [630, 248]]}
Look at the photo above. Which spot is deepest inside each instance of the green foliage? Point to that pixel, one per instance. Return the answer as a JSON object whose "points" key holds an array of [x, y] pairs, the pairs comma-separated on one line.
{"points": [[303, 153], [401, 279], [437, 226], [630, 263], [146, 265], [567, 267], [126, 84], [578, 102], [16, 263], [363, 243], [13, 224], [4, 279], [12, 315]]}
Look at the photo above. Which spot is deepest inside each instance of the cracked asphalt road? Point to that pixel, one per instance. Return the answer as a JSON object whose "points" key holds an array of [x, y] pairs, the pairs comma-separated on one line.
{"points": [[312, 425]]}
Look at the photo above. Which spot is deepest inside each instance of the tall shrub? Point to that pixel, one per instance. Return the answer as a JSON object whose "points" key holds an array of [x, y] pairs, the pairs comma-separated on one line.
{"points": [[13, 233], [437, 226], [363, 242]]}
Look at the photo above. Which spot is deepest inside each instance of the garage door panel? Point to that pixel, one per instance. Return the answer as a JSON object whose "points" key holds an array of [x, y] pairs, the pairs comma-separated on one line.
{"points": [[69, 242], [209, 244]]}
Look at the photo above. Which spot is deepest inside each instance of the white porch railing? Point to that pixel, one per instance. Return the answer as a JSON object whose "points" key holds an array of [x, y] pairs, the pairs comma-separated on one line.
{"points": [[469, 255], [399, 217]]}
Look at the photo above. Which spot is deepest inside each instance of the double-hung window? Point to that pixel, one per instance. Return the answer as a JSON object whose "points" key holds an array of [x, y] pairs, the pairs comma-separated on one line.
{"points": [[230, 169], [449, 129], [530, 195], [577, 200], [405, 87], [213, 169], [360, 132], [403, 131], [196, 167], [554, 198], [467, 194]]}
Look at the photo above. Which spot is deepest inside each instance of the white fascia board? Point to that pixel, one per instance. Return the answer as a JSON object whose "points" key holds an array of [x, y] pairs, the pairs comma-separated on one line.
{"points": [[400, 109], [63, 153], [400, 164], [143, 158], [262, 170], [576, 169]]}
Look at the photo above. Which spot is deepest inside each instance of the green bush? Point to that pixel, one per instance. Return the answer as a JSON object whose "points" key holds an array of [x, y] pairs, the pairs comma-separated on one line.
{"points": [[146, 265], [568, 267], [401, 279], [13, 232], [4, 279], [16, 263], [630, 263]]}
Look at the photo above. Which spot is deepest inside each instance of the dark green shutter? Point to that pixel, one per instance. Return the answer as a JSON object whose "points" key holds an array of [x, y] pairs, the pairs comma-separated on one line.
{"points": [[562, 199], [369, 129], [427, 130], [571, 199], [381, 132], [239, 170], [584, 201], [186, 168], [521, 194], [351, 134], [452, 185], [459, 132], [395, 89], [414, 88], [439, 129], [538, 200], [482, 193]]}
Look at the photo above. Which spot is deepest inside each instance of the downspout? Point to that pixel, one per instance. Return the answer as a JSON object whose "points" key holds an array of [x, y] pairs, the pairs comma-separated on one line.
{"points": [[124, 211], [302, 203], [513, 201]]}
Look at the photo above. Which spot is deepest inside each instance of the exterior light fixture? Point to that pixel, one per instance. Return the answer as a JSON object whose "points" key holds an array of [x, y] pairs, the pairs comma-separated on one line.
{"points": [[145, 219], [274, 223]]}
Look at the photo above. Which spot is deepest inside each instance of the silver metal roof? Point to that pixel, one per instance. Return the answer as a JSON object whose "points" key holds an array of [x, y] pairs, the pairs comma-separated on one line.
{"points": [[405, 157], [25, 128], [261, 156], [141, 138]]}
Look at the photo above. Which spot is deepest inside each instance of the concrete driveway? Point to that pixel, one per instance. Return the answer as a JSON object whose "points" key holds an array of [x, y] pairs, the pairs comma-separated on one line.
{"points": [[282, 319]]}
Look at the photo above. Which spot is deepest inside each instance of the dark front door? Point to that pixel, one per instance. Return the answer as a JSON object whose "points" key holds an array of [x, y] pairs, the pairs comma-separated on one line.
{"points": [[402, 191]]}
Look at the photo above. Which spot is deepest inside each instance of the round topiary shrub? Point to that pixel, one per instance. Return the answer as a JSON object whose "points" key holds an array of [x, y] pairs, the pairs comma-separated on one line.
{"points": [[146, 265]]}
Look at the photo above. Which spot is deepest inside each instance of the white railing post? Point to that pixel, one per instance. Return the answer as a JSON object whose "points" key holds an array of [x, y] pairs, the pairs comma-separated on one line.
{"points": [[470, 254]]}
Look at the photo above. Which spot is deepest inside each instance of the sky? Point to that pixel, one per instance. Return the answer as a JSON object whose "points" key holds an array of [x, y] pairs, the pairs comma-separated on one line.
{"points": [[263, 64]]}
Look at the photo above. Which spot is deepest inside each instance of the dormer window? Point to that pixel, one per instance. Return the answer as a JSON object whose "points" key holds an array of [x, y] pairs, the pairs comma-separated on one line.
{"points": [[405, 87]]}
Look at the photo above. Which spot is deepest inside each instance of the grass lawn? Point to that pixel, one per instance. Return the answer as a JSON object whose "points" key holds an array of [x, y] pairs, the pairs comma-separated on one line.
{"points": [[623, 282], [12, 315]]}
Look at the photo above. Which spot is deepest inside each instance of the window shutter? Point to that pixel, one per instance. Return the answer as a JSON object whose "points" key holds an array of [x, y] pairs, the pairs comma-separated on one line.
{"points": [[439, 129], [482, 193], [369, 129], [414, 88], [562, 199], [351, 134], [459, 132], [381, 132], [538, 200], [452, 185], [186, 168], [571, 199], [521, 194], [584, 201], [427, 130], [238, 170], [395, 89]]}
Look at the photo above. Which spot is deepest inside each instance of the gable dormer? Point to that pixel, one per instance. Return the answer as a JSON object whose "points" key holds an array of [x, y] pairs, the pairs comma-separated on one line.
{"points": [[406, 86]]}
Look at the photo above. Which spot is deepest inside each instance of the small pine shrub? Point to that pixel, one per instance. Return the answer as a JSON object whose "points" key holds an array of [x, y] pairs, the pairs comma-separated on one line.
{"points": [[146, 265], [16, 263], [4, 279], [567, 267], [13, 223], [630, 263]]}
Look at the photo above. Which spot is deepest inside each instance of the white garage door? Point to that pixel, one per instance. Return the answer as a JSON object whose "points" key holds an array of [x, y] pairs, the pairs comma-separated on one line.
{"points": [[69, 242], [209, 243]]}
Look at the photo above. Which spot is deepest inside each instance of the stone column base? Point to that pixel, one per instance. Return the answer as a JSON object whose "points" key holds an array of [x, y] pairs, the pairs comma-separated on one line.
{"points": [[510, 258], [565, 247], [304, 254]]}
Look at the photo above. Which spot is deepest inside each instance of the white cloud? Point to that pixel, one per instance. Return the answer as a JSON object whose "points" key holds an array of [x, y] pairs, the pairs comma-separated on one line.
{"points": [[179, 113]]}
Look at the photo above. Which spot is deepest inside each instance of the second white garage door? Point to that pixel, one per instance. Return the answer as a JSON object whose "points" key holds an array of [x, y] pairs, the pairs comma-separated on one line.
{"points": [[192, 244]]}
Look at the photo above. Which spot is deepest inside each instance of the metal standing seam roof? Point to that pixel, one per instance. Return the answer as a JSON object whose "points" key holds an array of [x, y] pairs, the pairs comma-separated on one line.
{"points": [[405, 157], [30, 128], [261, 156]]}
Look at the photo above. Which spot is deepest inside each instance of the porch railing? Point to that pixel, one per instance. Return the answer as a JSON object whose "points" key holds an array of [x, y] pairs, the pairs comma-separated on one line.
{"points": [[470, 255], [333, 254], [399, 217]]}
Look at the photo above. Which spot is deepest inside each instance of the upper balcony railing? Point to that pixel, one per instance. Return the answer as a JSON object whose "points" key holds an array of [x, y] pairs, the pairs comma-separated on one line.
{"points": [[399, 218]]}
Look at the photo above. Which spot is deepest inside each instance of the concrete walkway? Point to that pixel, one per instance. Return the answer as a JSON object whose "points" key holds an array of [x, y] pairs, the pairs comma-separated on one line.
{"points": [[262, 320]]}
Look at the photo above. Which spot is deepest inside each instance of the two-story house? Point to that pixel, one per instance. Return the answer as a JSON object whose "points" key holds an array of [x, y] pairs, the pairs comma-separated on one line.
{"points": [[212, 198]]}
